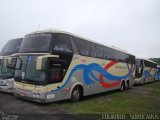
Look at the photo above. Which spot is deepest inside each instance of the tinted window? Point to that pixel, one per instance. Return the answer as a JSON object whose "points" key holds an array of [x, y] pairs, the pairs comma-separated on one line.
{"points": [[28, 72], [36, 43], [130, 59], [83, 46], [62, 43], [99, 50], [123, 57], [96, 50], [146, 63], [150, 64], [108, 53], [117, 55], [55, 75], [11, 47], [139, 62]]}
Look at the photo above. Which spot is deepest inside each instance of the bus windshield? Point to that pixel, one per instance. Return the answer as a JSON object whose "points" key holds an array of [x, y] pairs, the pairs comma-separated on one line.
{"points": [[11, 47], [28, 72], [36, 43], [41, 43]]}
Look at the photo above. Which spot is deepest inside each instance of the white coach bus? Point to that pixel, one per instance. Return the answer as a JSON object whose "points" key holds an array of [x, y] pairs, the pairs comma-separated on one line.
{"points": [[7, 74], [146, 71], [55, 65]]}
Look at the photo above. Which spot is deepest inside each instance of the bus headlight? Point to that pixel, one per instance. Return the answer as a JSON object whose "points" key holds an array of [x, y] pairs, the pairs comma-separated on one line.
{"points": [[9, 83], [36, 95]]}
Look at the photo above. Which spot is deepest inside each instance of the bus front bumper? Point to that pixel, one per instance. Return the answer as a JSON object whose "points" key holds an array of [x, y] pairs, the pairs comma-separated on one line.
{"points": [[138, 81], [36, 97], [8, 89], [6, 86], [28, 95]]}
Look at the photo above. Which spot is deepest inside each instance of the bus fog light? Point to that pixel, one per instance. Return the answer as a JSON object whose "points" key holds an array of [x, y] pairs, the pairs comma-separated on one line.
{"points": [[36, 95], [50, 96]]}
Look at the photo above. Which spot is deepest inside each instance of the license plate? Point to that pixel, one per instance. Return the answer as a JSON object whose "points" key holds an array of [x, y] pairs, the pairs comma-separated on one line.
{"points": [[22, 94]]}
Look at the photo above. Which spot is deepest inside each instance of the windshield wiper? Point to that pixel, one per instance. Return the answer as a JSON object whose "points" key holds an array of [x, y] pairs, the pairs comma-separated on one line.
{"points": [[7, 76], [23, 81], [35, 82]]}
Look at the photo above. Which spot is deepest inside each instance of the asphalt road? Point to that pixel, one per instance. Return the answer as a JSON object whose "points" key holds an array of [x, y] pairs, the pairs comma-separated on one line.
{"points": [[11, 106]]}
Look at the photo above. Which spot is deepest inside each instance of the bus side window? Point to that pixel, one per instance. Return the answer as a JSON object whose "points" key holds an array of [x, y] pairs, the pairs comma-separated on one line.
{"points": [[108, 53], [96, 50], [93, 51], [130, 59], [117, 55], [99, 51], [123, 57], [83, 46]]}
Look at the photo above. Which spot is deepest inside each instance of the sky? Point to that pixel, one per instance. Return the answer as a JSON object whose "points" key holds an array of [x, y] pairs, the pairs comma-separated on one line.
{"points": [[132, 25]]}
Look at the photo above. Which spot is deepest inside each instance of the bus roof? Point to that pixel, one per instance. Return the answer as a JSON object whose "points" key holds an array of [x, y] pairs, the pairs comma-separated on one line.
{"points": [[59, 31]]}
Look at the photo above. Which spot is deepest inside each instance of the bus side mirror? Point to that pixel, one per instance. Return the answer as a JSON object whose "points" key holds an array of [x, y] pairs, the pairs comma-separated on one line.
{"points": [[11, 62], [1, 62], [41, 63]]}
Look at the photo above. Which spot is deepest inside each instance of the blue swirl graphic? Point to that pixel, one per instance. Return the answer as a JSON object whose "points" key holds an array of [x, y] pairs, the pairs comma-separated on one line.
{"points": [[87, 71], [148, 74]]}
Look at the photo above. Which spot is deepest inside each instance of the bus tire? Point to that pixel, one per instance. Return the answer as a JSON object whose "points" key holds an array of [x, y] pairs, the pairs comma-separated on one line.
{"points": [[154, 79], [143, 81], [122, 88], [77, 93], [127, 85]]}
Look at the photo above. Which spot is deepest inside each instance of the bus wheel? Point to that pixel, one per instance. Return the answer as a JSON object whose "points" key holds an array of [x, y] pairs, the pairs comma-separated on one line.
{"points": [[154, 79], [127, 85], [143, 81], [122, 86], [76, 94]]}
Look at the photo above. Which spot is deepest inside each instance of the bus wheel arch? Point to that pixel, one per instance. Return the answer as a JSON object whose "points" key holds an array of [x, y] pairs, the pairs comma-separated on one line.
{"points": [[127, 85], [144, 81], [154, 79], [122, 86], [77, 92]]}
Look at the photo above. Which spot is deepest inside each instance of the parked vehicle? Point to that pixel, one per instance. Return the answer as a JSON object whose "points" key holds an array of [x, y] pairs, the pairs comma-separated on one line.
{"points": [[56, 65], [158, 72], [145, 71], [7, 74]]}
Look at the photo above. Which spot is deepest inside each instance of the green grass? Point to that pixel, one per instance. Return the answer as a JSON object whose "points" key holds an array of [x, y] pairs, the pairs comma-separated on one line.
{"points": [[133, 101], [155, 88]]}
